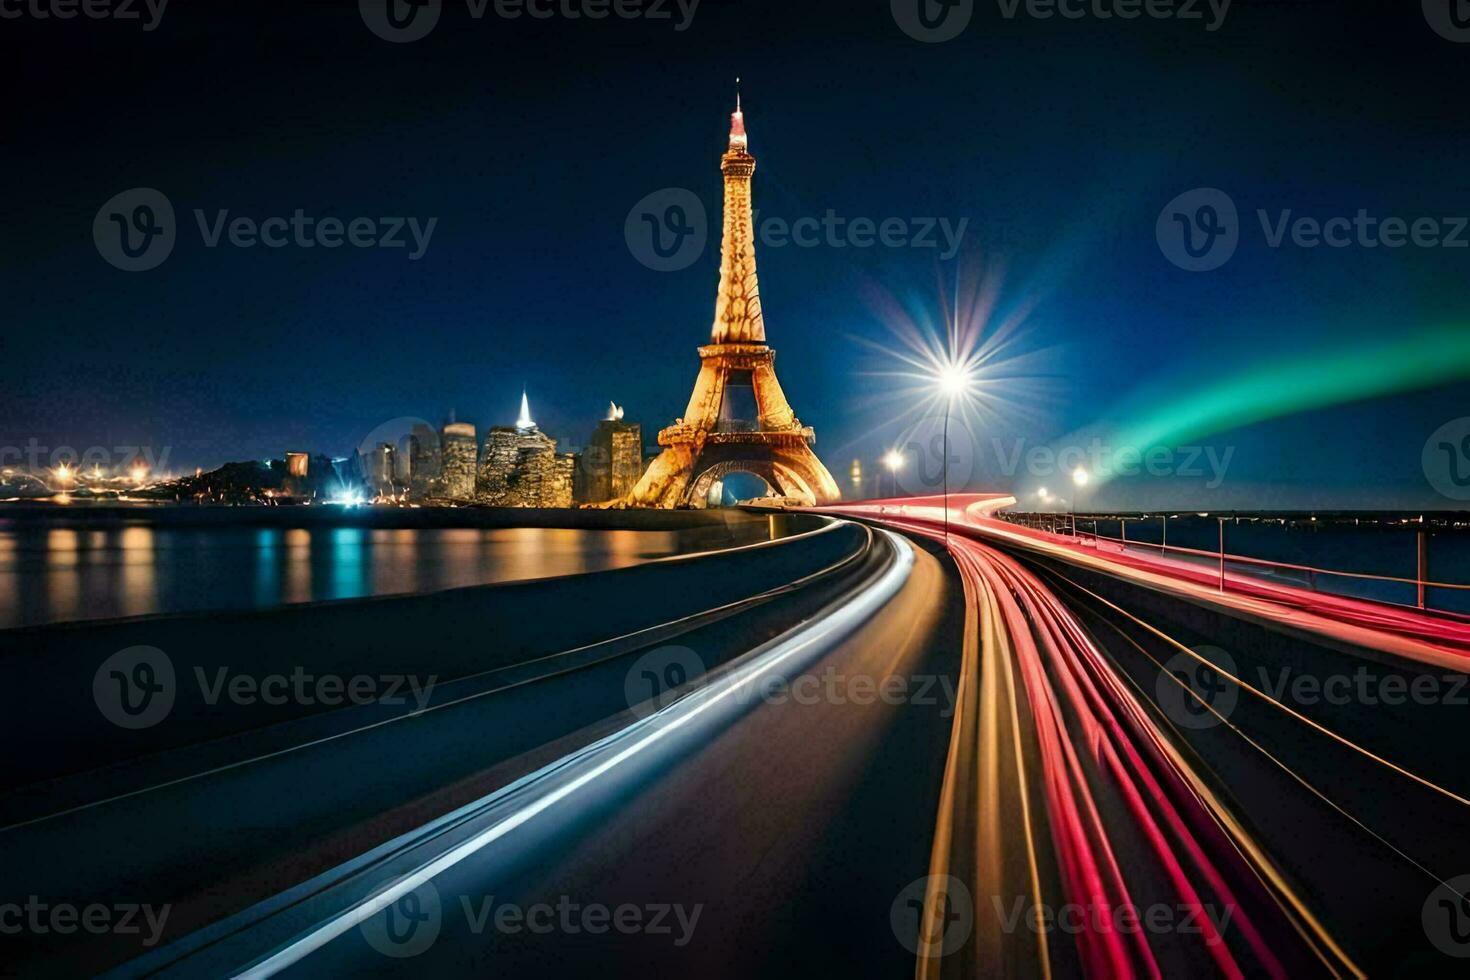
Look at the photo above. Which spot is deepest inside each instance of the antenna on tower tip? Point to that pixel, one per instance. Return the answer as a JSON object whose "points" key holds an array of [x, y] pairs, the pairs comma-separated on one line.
{"points": [[737, 93]]}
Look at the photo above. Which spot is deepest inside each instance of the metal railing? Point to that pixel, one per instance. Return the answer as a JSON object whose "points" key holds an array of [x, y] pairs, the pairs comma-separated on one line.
{"points": [[1066, 526]]}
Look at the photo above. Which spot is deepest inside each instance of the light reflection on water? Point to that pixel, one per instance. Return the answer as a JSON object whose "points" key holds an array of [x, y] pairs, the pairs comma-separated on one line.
{"points": [[50, 574]]}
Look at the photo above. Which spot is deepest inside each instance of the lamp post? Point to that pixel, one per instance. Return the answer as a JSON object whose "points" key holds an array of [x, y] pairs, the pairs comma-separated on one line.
{"points": [[953, 382], [1079, 480], [893, 459]]}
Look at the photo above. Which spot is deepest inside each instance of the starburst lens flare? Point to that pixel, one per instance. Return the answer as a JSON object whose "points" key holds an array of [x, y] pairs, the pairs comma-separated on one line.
{"points": [[958, 355], [954, 381]]}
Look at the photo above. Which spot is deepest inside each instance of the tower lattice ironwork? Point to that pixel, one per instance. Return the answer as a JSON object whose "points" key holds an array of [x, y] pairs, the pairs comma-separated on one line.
{"points": [[738, 419]]}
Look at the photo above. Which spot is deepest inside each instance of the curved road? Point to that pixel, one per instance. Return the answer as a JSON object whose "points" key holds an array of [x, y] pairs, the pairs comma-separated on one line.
{"points": [[982, 753]]}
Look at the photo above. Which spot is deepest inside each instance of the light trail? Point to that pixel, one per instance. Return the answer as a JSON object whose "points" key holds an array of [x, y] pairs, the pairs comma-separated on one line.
{"points": [[1111, 786], [563, 779]]}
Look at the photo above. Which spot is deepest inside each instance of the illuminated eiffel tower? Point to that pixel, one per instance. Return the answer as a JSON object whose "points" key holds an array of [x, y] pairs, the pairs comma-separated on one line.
{"points": [[738, 419]]}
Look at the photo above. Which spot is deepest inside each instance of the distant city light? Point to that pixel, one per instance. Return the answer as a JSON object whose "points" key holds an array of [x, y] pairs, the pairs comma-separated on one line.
{"points": [[1080, 477]]}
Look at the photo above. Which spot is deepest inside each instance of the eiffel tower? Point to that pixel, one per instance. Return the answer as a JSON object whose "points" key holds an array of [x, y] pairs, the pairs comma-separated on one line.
{"points": [[738, 419]]}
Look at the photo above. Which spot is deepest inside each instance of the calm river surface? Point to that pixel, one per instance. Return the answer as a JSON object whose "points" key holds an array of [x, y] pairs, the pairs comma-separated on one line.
{"points": [[54, 573]]}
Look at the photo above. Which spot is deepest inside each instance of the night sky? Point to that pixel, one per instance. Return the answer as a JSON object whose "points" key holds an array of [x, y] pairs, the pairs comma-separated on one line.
{"points": [[1058, 141]]}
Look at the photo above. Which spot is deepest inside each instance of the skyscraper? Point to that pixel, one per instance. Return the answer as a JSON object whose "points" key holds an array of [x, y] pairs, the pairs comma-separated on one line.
{"points": [[614, 459], [457, 470]]}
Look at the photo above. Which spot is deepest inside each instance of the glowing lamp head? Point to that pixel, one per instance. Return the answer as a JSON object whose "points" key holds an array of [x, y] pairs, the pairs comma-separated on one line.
{"points": [[1043, 494], [953, 380], [63, 472], [893, 459], [1080, 477], [139, 474]]}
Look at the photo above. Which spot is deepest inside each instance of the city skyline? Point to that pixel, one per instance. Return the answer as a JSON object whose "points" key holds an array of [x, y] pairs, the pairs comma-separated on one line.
{"points": [[527, 277]]}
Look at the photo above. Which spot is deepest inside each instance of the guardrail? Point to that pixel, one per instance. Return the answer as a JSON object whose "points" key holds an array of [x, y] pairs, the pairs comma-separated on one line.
{"points": [[1067, 526]]}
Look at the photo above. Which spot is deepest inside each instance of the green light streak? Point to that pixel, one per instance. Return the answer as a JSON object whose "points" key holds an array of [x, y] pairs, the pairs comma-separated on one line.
{"points": [[1305, 382]]}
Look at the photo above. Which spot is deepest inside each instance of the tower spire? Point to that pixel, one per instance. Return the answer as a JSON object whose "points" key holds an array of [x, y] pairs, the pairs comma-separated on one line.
{"points": [[738, 318], [737, 120], [525, 421]]}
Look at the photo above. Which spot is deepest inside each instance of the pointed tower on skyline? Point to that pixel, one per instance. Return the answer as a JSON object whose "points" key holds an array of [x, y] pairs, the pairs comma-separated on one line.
{"points": [[738, 419], [525, 421]]}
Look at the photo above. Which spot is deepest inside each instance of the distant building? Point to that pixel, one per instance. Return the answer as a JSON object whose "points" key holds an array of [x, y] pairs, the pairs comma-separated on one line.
{"points": [[614, 459], [425, 461], [380, 469], [520, 467], [458, 450], [298, 466]]}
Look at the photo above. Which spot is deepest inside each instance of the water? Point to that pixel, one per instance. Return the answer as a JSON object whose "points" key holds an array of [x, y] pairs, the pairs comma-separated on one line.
{"points": [[52, 572], [1373, 545]]}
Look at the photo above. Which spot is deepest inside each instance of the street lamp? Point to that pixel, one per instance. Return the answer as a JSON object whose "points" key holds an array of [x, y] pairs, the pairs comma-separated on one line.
{"points": [[1079, 480], [893, 459], [954, 381]]}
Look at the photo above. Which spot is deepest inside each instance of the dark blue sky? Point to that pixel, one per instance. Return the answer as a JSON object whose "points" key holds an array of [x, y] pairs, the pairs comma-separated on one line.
{"points": [[1058, 141]]}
